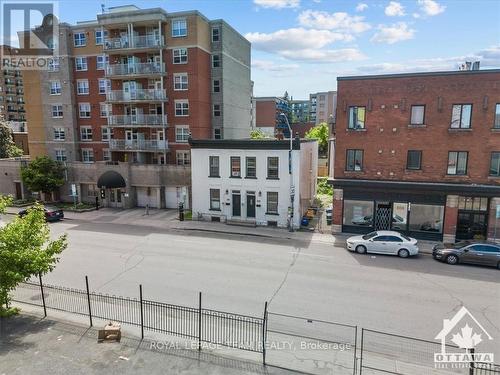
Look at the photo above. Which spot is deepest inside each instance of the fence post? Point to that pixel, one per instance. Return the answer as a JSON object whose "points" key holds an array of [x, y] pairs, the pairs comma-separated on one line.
{"points": [[199, 322], [355, 348], [88, 298], [142, 313], [471, 363], [264, 333], [43, 295], [361, 352]]}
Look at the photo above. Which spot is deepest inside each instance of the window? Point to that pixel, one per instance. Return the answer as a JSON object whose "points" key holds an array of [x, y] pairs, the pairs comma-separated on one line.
{"points": [[181, 133], [106, 133], [82, 87], [180, 55], [273, 167], [251, 167], [100, 35], [417, 114], [87, 155], [79, 39], [59, 134], [357, 117], [215, 199], [214, 166], [55, 88], [460, 116], [217, 133], [495, 164], [84, 110], [216, 110], [183, 157], [60, 155], [180, 81], [215, 61], [354, 160], [235, 166], [426, 218], [457, 162], [105, 109], [399, 216], [181, 108], [179, 27], [104, 85], [86, 133], [101, 62], [272, 202], [216, 87], [414, 159], [106, 155], [215, 34], [53, 64], [473, 203], [358, 213], [57, 111], [81, 63], [496, 124]]}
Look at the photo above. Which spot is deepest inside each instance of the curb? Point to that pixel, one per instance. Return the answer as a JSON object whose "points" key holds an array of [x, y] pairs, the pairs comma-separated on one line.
{"points": [[236, 233]]}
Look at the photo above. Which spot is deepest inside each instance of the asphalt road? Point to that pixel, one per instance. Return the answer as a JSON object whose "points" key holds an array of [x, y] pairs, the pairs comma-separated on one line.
{"points": [[311, 279]]}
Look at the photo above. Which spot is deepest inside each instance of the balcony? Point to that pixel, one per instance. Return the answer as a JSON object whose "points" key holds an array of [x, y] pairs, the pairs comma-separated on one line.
{"points": [[138, 95], [142, 42], [10, 82], [138, 145], [18, 127], [137, 121], [133, 70]]}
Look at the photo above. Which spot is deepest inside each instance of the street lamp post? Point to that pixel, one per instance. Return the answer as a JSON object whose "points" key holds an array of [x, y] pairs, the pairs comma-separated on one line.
{"points": [[290, 171]]}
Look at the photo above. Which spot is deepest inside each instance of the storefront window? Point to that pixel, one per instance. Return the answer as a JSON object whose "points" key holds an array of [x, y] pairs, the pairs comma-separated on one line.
{"points": [[399, 215], [473, 203], [426, 218], [359, 213]]}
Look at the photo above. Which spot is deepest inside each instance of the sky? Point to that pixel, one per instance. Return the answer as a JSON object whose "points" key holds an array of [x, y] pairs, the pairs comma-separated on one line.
{"points": [[301, 46]]}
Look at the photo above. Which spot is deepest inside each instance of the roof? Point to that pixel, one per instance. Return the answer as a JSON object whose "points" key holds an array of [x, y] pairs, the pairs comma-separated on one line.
{"points": [[248, 144], [420, 74]]}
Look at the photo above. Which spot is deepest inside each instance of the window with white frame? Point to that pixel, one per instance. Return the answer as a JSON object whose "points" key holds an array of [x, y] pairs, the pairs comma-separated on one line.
{"points": [[272, 202], [59, 134], [53, 64], [87, 155], [216, 85], [179, 27], [61, 155], [81, 63], [273, 167], [180, 55], [101, 61], [55, 88], [82, 87], [106, 133], [180, 81], [181, 108], [216, 61], [217, 110], [100, 35], [215, 34], [106, 154], [86, 133], [183, 157], [417, 115], [84, 110], [80, 39], [215, 199], [57, 110], [181, 133], [105, 109], [104, 85]]}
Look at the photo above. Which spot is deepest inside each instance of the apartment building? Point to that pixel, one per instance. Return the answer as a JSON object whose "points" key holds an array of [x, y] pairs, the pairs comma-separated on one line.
{"points": [[322, 107], [125, 93], [419, 153], [268, 116], [300, 111]]}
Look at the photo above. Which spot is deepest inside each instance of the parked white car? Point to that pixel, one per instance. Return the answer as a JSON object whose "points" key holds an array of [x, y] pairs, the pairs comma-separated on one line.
{"points": [[383, 242]]}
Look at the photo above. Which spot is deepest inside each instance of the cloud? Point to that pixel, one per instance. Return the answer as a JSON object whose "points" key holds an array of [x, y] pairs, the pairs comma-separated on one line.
{"points": [[277, 4], [324, 56], [272, 66], [361, 7], [431, 7], [394, 9], [339, 21], [394, 33]]}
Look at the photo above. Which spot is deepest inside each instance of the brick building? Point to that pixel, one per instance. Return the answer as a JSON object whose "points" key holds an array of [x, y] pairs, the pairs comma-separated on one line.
{"points": [[419, 153], [268, 117]]}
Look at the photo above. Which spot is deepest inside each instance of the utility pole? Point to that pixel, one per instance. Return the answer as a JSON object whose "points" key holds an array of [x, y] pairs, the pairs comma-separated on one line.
{"points": [[290, 172]]}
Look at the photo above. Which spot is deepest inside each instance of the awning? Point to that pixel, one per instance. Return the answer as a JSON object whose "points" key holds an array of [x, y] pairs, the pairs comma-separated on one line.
{"points": [[111, 180]]}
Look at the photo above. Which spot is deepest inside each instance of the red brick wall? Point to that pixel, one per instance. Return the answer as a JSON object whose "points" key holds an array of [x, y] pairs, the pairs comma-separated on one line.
{"points": [[265, 113], [387, 128]]}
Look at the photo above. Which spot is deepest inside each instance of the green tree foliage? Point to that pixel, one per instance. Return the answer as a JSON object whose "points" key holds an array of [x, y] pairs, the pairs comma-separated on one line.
{"points": [[26, 250], [5, 200], [43, 174], [258, 134], [8, 148], [320, 132], [324, 188]]}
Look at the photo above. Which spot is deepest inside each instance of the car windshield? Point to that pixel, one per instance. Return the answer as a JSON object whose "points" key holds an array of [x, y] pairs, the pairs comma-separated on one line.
{"points": [[460, 244], [51, 208], [405, 237], [369, 235]]}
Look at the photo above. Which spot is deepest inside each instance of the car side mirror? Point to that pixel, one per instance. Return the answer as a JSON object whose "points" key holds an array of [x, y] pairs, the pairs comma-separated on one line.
{"points": [[371, 240], [466, 250]]}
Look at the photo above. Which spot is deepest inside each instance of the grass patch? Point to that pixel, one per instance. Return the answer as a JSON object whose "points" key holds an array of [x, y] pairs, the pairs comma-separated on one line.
{"points": [[11, 311]]}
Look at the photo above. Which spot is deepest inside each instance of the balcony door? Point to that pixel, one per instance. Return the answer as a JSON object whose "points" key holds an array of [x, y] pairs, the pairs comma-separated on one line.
{"points": [[130, 89], [134, 113], [131, 137]]}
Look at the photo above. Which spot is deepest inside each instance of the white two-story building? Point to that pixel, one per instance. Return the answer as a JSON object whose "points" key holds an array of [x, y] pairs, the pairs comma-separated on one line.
{"points": [[253, 181]]}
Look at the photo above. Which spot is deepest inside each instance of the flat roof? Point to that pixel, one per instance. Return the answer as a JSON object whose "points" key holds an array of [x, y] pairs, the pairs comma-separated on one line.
{"points": [[420, 74], [248, 144]]}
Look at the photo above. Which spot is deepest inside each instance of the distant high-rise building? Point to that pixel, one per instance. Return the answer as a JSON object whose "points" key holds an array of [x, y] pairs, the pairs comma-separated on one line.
{"points": [[322, 107]]}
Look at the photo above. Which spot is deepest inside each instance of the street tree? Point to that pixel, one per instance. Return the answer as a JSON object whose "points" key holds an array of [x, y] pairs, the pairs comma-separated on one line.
{"points": [[319, 132], [8, 148], [26, 250], [43, 174]]}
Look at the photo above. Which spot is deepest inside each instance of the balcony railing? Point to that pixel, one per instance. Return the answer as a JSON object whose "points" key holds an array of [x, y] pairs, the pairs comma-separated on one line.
{"points": [[18, 127], [137, 120], [136, 42], [137, 145], [135, 69], [136, 95]]}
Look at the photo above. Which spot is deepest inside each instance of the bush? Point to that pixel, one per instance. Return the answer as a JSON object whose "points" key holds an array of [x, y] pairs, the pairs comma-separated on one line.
{"points": [[324, 188]]}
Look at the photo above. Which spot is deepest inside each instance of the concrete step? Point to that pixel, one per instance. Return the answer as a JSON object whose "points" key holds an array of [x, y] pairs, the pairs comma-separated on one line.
{"points": [[242, 223]]}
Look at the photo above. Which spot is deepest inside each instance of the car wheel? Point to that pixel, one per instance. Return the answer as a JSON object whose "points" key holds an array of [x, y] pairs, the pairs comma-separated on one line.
{"points": [[360, 249], [403, 253], [452, 259], [498, 265]]}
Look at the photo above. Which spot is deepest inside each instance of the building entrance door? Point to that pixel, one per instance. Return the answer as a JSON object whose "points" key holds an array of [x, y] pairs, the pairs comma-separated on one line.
{"points": [[236, 204], [115, 198], [383, 216], [471, 225], [250, 204]]}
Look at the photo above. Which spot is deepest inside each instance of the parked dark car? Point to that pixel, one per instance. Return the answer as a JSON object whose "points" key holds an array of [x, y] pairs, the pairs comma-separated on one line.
{"points": [[52, 213], [483, 253]]}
